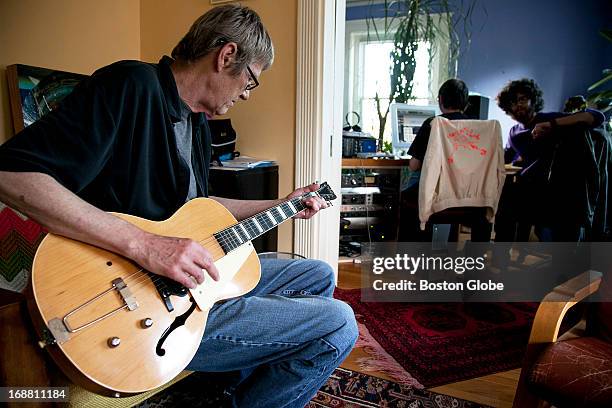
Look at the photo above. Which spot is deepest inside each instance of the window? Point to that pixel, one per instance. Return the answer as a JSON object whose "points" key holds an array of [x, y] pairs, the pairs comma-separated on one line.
{"points": [[367, 71]]}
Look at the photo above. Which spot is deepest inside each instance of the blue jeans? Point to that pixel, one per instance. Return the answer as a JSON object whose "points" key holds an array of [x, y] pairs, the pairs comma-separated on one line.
{"points": [[286, 336]]}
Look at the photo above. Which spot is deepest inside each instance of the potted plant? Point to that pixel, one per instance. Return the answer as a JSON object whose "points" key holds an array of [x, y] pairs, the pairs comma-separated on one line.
{"points": [[409, 23]]}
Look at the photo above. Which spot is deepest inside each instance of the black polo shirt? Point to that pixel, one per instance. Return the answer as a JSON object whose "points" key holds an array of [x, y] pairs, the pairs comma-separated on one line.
{"points": [[111, 141]]}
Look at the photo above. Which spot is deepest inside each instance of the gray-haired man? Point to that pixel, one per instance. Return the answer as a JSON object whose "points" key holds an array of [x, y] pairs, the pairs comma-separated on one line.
{"points": [[133, 138]]}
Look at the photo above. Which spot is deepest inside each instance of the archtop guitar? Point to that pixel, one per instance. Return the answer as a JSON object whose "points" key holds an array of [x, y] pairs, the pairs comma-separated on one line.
{"points": [[117, 329]]}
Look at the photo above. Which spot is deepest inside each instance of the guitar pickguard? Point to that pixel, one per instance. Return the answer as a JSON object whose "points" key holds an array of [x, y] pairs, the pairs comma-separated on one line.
{"points": [[209, 291]]}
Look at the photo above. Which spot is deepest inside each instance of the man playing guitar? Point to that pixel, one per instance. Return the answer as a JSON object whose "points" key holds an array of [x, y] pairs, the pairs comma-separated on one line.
{"points": [[133, 138]]}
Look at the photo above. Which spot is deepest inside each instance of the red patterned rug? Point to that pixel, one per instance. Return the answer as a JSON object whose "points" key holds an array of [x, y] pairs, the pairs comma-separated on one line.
{"points": [[440, 343]]}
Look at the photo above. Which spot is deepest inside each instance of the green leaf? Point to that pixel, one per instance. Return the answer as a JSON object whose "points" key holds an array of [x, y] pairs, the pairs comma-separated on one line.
{"points": [[600, 96], [600, 82], [408, 22]]}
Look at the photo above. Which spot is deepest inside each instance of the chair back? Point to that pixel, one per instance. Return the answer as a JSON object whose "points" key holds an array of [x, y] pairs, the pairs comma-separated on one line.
{"points": [[463, 167], [19, 239]]}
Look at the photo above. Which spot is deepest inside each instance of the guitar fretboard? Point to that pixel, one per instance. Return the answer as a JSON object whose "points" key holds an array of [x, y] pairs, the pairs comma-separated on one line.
{"points": [[250, 228]]}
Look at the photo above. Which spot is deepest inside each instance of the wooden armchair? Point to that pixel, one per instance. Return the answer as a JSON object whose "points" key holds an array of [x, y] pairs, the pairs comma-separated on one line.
{"points": [[566, 372]]}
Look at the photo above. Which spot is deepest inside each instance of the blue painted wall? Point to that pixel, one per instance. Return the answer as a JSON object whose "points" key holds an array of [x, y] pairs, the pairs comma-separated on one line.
{"points": [[555, 42]]}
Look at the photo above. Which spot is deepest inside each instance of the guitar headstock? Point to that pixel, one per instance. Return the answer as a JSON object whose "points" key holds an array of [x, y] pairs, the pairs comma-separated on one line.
{"points": [[326, 193]]}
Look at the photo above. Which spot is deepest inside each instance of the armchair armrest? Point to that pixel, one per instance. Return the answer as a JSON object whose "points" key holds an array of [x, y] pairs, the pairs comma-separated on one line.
{"points": [[548, 318], [546, 326]]}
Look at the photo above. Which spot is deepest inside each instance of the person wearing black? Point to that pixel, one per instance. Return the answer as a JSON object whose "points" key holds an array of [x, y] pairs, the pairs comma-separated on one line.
{"points": [[452, 100], [557, 188], [134, 138]]}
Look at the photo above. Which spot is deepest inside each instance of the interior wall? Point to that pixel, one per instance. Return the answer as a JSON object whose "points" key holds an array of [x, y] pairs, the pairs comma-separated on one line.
{"points": [[265, 124], [83, 35], [555, 42], [70, 35]]}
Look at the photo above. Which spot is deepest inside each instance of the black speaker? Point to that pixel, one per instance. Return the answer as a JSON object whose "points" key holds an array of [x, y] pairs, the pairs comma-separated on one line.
{"points": [[257, 183], [478, 107]]}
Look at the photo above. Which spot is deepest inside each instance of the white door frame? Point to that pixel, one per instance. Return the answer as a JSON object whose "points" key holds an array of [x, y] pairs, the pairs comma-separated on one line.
{"points": [[318, 145]]}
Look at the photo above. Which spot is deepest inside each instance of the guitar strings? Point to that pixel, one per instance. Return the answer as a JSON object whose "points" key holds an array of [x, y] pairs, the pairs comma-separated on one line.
{"points": [[224, 240], [143, 279], [143, 276], [296, 201]]}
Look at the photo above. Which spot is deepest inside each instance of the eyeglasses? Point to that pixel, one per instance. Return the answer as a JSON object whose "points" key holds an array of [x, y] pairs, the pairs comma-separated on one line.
{"points": [[253, 82], [521, 99]]}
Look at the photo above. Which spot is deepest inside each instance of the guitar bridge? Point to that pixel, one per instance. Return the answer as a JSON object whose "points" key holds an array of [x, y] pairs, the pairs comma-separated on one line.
{"points": [[60, 328]]}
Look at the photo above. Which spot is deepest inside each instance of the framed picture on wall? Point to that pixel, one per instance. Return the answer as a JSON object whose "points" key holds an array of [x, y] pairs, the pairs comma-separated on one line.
{"points": [[35, 91]]}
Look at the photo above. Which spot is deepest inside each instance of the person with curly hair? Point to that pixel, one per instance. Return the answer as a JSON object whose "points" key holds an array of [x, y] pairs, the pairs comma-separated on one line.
{"points": [[532, 144], [523, 101]]}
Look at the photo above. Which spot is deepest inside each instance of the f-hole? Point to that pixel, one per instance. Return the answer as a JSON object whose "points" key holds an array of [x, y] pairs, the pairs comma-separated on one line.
{"points": [[178, 322]]}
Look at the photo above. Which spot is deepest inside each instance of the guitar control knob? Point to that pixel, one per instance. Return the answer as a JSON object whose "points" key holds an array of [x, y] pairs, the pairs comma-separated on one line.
{"points": [[114, 342], [146, 323]]}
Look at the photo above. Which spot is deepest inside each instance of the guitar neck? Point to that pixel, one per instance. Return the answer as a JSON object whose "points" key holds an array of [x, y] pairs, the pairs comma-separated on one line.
{"points": [[238, 234]]}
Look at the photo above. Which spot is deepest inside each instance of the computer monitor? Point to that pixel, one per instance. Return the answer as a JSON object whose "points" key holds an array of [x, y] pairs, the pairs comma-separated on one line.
{"points": [[406, 120]]}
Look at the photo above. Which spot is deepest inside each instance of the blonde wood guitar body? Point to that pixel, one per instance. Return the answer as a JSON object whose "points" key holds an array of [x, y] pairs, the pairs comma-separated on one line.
{"points": [[76, 285]]}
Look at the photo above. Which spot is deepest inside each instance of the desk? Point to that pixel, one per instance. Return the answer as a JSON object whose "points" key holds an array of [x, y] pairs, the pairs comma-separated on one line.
{"points": [[374, 163], [258, 183]]}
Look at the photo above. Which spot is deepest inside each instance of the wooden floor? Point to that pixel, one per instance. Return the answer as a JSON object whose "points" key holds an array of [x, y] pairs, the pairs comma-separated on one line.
{"points": [[496, 390]]}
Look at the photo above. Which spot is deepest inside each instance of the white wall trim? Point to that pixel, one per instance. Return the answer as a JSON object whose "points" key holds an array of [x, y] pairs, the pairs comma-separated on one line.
{"points": [[320, 70]]}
